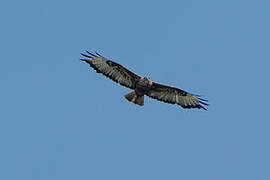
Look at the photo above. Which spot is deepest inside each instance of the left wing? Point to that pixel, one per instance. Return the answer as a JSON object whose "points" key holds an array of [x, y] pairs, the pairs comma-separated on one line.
{"points": [[177, 96], [112, 70]]}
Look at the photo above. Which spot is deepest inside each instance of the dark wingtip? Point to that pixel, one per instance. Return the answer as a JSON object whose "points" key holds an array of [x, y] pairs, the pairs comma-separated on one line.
{"points": [[206, 104], [87, 61], [202, 102], [91, 53], [85, 55], [203, 108], [98, 54], [193, 106], [202, 99]]}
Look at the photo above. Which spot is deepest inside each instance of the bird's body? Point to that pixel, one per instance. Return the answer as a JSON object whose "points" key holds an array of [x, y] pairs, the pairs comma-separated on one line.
{"points": [[142, 85]]}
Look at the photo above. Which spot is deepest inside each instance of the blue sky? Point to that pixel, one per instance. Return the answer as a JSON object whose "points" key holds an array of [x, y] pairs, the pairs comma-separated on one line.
{"points": [[61, 120]]}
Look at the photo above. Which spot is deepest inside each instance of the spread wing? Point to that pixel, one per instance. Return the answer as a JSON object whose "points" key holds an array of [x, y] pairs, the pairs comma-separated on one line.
{"points": [[110, 69], [177, 96]]}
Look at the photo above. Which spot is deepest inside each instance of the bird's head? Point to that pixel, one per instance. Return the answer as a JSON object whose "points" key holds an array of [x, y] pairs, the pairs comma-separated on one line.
{"points": [[147, 80]]}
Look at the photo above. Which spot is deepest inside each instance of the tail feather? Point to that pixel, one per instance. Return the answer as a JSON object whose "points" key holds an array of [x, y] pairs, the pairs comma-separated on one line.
{"points": [[134, 98]]}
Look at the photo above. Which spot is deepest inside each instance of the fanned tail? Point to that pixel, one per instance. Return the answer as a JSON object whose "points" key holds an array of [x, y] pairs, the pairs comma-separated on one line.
{"points": [[135, 98]]}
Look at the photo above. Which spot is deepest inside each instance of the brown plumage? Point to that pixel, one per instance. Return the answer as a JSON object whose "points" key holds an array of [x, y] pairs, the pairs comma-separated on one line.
{"points": [[142, 85]]}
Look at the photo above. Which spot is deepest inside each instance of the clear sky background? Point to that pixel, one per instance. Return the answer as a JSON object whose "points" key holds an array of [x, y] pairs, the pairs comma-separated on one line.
{"points": [[61, 120]]}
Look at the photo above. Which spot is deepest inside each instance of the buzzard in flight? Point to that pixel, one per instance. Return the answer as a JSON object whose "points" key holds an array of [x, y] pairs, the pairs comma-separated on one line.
{"points": [[142, 85]]}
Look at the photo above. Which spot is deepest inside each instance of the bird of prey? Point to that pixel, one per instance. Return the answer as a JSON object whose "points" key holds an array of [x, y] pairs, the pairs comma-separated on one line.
{"points": [[142, 85]]}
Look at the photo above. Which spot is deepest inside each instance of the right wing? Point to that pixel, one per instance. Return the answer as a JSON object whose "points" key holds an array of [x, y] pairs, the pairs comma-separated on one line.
{"points": [[112, 70]]}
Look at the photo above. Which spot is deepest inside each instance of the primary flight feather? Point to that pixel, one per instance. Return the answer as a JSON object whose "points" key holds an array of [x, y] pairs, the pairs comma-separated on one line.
{"points": [[142, 85]]}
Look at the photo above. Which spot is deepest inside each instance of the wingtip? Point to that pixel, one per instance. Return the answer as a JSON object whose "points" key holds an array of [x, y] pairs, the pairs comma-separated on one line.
{"points": [[86, 61], [203, 103], [204, 108], [205, 100], [206, 104], [98, 54], [91, 54], [85, 55]]}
